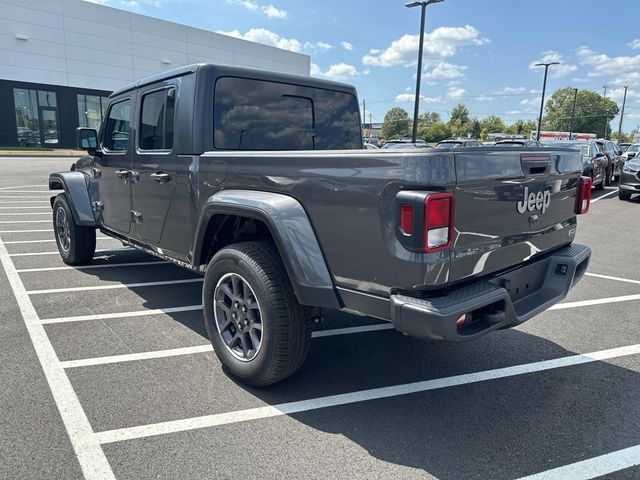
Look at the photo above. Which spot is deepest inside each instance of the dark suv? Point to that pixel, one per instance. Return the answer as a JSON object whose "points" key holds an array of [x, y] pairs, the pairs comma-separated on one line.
{"points": [[459, 143], [614, 158], [594, 161]]}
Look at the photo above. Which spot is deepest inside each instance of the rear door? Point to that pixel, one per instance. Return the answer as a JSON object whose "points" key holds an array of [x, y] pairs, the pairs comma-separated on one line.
{"points": [[154, 166], [511, 206], [114, 166]]}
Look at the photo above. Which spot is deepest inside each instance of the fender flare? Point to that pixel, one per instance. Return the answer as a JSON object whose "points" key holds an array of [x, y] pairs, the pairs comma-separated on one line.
{"points": [[75, 186], [294, 236]]}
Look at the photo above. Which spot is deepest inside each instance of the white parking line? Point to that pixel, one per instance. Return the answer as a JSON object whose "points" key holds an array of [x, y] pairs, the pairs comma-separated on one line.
{"points": [[605, 195], [26, 221], [20, 196], [22, 214], [86, 267], [22, 202], [115, 250], [50, 192], [163, 428], [597, 301], [92, 460], [618, 279], [23, 208], [26, 231], [593, 467], [47, 240], [174, 352], [23, 186], [105, 316], [116, 286]]}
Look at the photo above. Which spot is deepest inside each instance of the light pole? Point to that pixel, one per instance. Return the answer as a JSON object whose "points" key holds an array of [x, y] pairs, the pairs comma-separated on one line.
{"points": [[416, 108], [544, 88], [606, 117], [573, 111], [624, 102]]}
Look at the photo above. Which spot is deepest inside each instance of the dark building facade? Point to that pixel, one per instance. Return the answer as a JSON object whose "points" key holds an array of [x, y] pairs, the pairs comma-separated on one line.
{"points": [[41, 115]]}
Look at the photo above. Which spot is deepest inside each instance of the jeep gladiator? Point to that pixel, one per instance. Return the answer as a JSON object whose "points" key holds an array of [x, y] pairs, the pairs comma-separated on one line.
{"points": [[260, 181]]}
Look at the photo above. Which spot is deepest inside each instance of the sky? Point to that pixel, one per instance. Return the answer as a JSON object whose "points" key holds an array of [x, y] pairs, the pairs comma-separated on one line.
{"points": [[477, 52]]}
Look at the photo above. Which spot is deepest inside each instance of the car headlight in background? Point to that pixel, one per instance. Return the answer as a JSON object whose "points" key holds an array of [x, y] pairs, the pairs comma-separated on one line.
{"points": [[631, 168]]}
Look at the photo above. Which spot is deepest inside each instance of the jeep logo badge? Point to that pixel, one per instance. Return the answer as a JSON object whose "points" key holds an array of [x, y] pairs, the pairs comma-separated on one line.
{"points": [[534, 201]]}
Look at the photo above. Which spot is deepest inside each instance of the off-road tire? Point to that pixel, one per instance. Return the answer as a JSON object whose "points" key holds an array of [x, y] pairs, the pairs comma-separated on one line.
{"points": [[81, 240], [286, 333]]}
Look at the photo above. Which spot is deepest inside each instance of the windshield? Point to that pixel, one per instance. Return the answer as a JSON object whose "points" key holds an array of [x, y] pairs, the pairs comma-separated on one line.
{"points": [[634, 148], [449, 145]]}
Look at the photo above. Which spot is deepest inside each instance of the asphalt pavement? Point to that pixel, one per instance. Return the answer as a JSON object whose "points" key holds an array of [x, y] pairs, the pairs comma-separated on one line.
{"points": [[107, 372]]}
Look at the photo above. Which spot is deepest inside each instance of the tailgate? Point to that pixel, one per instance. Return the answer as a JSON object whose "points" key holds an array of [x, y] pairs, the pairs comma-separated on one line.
{"points": [[511, 205]]}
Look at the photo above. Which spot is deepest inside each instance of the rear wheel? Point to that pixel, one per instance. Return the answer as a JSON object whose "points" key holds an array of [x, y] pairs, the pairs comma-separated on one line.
{"points": [[607, 178], [622, 195], [257, 328], [600, 186], [76, 244]]}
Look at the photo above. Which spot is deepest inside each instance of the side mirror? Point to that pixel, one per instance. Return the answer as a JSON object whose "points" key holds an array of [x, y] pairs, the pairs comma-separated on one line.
{"points": [[86, 138]]}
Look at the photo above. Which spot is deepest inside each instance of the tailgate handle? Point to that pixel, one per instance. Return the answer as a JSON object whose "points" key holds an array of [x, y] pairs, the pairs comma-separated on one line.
{"points": [[535, 164]]}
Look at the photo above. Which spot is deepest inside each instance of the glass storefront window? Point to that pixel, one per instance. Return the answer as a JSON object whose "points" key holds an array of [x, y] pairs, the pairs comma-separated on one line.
{"points": [[91, 110], [26, 104]]}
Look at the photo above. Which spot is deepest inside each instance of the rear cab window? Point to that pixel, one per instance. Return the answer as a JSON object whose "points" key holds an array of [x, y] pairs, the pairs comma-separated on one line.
{"points": [[157, 111], [261, 115]]}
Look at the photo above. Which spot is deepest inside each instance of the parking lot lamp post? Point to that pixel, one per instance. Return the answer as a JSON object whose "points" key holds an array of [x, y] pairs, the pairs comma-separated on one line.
{"points": [[544, 88], [573, 111], [416, 108], [624, 102]]}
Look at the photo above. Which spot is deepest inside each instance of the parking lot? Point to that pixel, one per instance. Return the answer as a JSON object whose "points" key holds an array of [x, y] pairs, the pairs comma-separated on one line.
{"points": [[107, 372]]}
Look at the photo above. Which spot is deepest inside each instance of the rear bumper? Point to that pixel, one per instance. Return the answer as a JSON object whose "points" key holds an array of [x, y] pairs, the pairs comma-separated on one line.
{"points": [[499, 302]]}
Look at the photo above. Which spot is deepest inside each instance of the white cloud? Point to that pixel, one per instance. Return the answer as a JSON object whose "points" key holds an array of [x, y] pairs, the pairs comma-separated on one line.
{"points": [[635, 44], [514, 112], [456, 92], [442, 42], [366, 71], [484, 98], [316, 47], [555, 71], [531, 102], [248, 4], [617, 95], [347, 46], [316, 71], [411, 97], [624, 69], [341, 70], [267, 37], [510, 90], [272, 12], [446, 70]]}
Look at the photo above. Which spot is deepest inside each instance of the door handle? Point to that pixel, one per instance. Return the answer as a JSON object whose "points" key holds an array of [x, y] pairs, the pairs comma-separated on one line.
{"points": [[123, 173], [160, 177]]}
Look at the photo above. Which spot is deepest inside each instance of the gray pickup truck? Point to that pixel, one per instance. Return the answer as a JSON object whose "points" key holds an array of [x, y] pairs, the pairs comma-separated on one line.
{"points": [[260, 181]]}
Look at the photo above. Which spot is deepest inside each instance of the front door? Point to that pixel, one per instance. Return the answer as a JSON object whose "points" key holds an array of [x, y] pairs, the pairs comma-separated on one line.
{"points": [[114, 167], [154, 163], [48, 127]]}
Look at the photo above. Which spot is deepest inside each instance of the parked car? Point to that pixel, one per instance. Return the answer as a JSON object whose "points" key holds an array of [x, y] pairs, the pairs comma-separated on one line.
{"points": [[614, 159], [371, 146], [459, 143], [594, 160], [281, 236], [518, 143], [631, 152], [624, 146], [405, 143], [629, 179]]}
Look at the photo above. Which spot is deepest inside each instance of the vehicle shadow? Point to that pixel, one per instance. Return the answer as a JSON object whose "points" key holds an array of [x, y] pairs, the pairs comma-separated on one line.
{"points": [[504, 428]]}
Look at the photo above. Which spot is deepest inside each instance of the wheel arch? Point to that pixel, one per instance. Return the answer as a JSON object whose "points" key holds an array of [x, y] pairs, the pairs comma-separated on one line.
{"points": [[74, 185], [286, 223]]}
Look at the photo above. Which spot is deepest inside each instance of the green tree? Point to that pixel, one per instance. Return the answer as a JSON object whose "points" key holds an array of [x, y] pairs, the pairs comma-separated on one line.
{"points": [[425, 121], [460, 122], [522, 127], [593, 111], [436, 132], [491, 124], [396, 124]]}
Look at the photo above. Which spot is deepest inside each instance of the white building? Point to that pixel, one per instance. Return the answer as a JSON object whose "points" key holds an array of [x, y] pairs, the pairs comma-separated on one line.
{"points": [[60, 58]]}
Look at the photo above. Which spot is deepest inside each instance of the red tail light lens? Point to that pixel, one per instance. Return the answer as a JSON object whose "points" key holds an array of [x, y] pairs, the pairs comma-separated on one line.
{"points": [[583, 195], [406, 219], [438, 221]]}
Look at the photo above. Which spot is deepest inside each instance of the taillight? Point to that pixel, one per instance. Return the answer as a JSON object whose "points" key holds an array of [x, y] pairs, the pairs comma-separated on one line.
{"points": [[583, 195], [438, 221], [406, 219]]}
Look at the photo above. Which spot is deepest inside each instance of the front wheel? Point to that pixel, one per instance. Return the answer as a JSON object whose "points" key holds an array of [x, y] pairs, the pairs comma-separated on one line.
{"points": [[76, 244], [600, 186], [257, 328], [622, 195]]}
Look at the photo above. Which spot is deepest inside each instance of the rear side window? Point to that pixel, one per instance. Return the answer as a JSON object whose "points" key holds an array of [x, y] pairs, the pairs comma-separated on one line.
{"points": [[260, 115], [117, 126], [156, 120]]}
